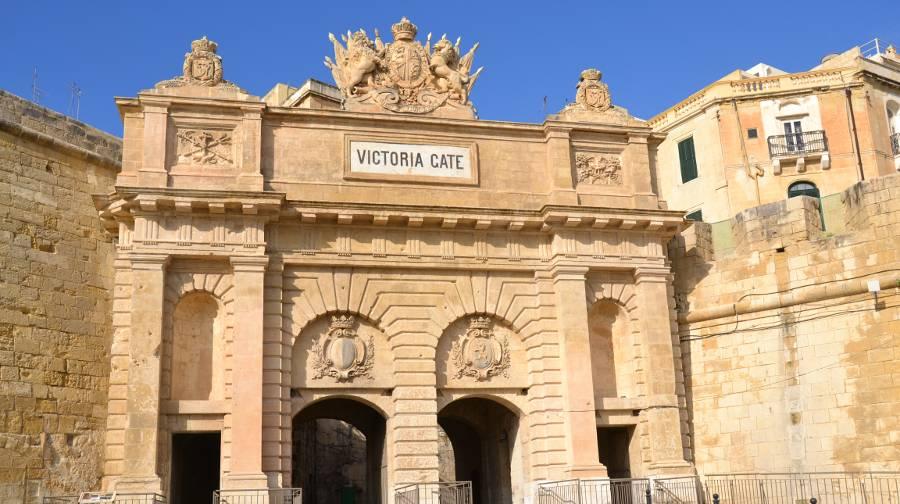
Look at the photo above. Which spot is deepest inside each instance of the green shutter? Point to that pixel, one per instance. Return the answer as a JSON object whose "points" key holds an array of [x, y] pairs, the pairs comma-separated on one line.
{"points": [[688, 159]]}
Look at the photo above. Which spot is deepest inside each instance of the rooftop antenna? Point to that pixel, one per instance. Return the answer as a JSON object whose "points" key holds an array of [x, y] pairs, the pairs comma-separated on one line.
{"points": [[36, 92], [74, 100], [545, 105]]}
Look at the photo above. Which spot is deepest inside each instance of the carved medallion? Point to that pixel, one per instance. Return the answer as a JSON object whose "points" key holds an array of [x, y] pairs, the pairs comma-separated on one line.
{"points": [[598, 169], [204, 147], [402, 76], [341, 353], [480, 353]]}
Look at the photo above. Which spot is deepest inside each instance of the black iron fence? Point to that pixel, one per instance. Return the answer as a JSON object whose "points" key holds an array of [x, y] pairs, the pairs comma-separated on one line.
{"points": [[443, 492], [797, 144], [772, 488], [106, 498], [895, 143]]}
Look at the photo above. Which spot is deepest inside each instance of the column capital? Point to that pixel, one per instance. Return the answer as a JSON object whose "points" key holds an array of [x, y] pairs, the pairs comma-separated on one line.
{"points": [[561, 272], [149, 261], [652, 274], [249, 263]]}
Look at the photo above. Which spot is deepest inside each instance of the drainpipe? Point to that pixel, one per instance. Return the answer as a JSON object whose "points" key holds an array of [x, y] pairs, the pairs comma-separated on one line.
{"points": [[746, 158], [859, 166]]}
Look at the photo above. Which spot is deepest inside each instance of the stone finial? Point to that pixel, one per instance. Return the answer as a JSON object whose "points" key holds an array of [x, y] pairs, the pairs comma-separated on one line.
{"points": [[593, 102], [593, 94], [202, 67]]}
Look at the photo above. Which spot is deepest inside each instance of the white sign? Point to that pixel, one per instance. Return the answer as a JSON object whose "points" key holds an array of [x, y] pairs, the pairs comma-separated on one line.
{"points": [[444, 161]]}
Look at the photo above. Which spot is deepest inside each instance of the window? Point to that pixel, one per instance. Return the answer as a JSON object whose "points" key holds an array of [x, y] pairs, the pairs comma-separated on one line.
{"points": [[752, 133], [688, 159], [803, 189], [696, 215], [793, 135]]}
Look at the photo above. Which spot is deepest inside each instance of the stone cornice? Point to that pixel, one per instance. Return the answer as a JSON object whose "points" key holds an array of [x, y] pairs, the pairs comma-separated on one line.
{"points": [[18, 130], [129, 201]]}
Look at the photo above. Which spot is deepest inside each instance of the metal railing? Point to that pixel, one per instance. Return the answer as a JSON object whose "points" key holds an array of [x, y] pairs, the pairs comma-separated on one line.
{"points": [[687, 490], [259, 496], [771, 488], [895, 143], [111, 498], [443, 492], [797, 144], [826, 488]]}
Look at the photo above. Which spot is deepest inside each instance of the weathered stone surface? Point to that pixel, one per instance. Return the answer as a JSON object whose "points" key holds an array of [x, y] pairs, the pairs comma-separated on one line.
{"points": [[55, 311]]}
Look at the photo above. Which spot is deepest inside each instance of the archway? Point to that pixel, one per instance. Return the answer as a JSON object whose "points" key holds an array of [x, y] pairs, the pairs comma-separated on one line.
{"points": [[338, 452], [483, 437]]}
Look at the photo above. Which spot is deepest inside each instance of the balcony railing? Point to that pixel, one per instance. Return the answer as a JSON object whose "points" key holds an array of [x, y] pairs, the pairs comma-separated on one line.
{"points": [[797, 144], [895, 143]]}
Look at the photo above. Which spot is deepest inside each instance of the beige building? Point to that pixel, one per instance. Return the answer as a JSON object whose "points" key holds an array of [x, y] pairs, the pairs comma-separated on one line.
{"points": [[396, 265], [365, 292], [754, 136]]}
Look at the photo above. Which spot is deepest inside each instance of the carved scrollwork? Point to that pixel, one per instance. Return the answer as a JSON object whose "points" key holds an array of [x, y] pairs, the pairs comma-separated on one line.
{"points": [[480, 353], [341, 353], [598, 169]]}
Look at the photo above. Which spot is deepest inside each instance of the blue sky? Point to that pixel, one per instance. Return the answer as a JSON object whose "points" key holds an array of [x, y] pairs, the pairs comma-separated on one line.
{"points": [[652, 53]]}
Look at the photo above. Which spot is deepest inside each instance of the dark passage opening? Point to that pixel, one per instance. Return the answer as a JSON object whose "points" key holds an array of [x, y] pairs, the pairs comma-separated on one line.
{"points": [[195, 467], [613, 443]]}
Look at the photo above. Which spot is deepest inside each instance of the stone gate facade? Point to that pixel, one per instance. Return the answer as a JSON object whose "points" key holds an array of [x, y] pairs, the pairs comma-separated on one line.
{"points": [[383, 257]]}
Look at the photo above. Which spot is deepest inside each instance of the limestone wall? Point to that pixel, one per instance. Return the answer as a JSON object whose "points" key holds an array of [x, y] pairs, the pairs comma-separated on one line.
{"points": [[790, 364], [55, 314]]}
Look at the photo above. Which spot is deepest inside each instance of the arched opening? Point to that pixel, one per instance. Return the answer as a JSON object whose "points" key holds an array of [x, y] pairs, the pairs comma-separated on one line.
{"points": [[612, 371], [612, 351], [484, 448], [338, 452], [197, 345], [804, 188], [893, 114]]}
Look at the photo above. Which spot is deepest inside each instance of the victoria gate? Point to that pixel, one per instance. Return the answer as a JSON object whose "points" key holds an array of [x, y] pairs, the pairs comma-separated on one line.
{"points": [[364, 292]]}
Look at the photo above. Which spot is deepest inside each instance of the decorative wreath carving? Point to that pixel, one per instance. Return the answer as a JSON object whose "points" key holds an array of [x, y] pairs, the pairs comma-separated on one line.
{"points": [[341, 353], [480, 353]]}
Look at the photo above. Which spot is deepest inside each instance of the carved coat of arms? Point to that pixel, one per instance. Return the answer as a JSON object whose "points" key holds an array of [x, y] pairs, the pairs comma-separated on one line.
{"points": [[402, 76], [592, 93], [202, 65], [341, 353], [480, 353]]}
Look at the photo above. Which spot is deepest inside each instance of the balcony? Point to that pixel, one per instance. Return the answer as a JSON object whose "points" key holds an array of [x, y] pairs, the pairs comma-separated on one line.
{"points": [[799, 147]]}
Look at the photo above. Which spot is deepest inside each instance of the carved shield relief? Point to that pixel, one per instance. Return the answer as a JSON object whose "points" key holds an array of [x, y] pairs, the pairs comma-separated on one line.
{"points": [[341, 353], [407, 64], [480, 353]]}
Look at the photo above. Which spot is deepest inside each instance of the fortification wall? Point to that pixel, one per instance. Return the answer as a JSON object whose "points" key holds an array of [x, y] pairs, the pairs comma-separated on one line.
{"points": [[790, 363], [55, 312]]}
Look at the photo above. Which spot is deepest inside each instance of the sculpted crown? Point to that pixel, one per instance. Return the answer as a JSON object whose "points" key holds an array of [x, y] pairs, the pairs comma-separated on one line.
{"points": [[404, 29], [480, 322], [204, 44], [591, 74], [342, 322]]}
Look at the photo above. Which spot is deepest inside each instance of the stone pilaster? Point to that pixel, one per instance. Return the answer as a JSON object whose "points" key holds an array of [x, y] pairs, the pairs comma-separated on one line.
{"points": [[247, 398], [574, 335], [559, 163], [141, 443], [152, 172], [661, 414]]}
